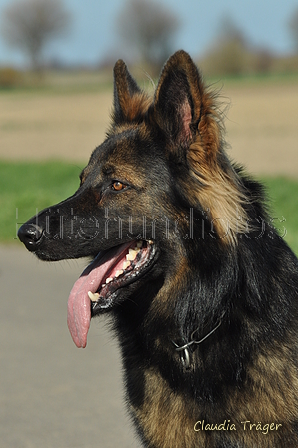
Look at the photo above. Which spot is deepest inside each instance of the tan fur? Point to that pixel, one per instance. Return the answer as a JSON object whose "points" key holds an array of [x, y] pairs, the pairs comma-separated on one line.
{"points": [[275, 379], [137, 106], [218, 192], [166, 417], [268, 397], [220, 199]]}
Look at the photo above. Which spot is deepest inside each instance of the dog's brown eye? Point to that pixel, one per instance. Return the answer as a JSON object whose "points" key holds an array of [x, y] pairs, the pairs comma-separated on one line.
{"points": [[118, 186]]}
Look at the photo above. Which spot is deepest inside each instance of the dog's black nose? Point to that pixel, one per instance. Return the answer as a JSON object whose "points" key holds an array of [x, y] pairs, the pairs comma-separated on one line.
{"points": [[30, 235]]}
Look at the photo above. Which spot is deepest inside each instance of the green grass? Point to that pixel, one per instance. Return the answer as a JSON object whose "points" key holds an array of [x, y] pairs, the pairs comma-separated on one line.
{"points": [[283, 195], [27, 187]]}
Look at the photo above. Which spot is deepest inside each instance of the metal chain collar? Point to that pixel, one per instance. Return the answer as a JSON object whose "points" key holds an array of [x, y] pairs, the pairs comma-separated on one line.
{"points": [[184, 349]]}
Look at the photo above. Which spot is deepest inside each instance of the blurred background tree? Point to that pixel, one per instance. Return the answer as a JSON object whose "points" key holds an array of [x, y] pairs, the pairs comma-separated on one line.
{"points": [[293, 28], [148, 28], [228, 54], [29, 25]]}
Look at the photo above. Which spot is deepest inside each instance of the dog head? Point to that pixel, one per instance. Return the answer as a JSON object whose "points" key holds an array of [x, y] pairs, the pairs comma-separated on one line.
{"points": [[158, 181]]}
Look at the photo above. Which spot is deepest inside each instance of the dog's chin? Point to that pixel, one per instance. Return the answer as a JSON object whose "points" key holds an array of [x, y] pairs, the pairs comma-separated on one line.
{"points": [[122, 276]]}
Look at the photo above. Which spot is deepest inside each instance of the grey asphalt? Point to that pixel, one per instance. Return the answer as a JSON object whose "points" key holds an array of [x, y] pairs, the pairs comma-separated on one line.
{"points": [[52, 394]]}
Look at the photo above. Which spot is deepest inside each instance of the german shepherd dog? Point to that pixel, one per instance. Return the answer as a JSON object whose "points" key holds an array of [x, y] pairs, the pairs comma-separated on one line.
{"points": [[201, 289]]}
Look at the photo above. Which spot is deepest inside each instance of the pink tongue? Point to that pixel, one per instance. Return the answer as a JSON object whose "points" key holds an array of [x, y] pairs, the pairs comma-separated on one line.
{"points": [[78, 307]]}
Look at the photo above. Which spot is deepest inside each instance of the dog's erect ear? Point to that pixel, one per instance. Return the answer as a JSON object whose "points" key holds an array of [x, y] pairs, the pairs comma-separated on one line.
{"points": [[177, 103], [183, 108], [130, 102], [186, 113]]}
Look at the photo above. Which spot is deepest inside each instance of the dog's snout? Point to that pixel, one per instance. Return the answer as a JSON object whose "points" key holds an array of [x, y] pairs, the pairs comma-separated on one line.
{"points": [[30, 235]]}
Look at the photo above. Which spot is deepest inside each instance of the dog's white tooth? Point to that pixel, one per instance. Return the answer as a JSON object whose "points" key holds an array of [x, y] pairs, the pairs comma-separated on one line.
{"points": [[125, 265], [133, 252], [93, 296], [129, 257], [109, 279], [119, 272], [150, 241]]}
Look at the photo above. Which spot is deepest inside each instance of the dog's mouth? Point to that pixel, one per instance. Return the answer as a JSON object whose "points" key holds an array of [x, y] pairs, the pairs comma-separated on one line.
{"points": [[97, 289]]}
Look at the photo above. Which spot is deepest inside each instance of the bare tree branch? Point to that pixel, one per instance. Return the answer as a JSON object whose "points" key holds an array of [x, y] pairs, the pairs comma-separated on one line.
{"points": [[30, 24], [149, 29], [293, 28]]}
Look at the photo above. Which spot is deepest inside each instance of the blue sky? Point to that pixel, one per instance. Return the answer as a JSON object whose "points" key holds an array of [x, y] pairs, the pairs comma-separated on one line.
{"points": [[94, 34]]}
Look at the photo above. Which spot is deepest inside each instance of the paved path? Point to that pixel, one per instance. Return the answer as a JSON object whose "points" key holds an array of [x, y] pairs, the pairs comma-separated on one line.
{"points": [[52, 394]]}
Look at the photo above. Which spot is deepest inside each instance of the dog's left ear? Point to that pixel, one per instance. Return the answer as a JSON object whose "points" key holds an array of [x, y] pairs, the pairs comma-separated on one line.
{"points": [[183, 108], [130, 102]]}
